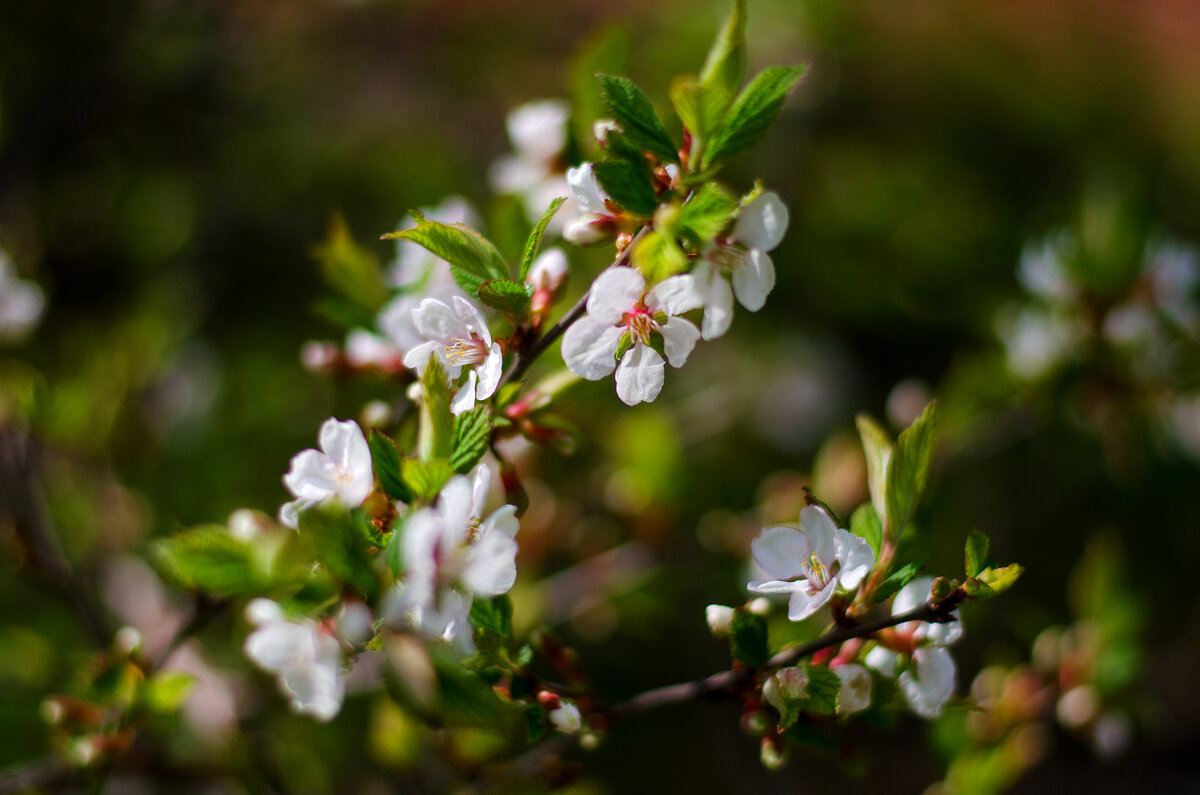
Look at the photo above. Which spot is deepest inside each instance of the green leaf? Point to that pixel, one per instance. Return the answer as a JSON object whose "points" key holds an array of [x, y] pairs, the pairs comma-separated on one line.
{"points": [[976, 553], [877, 448], [426, 478], [701, 109], [636, 116], [628, 183], [351, 269], [434, 436], [897, 580], [908, 469], [865, 524], [821, 693], [340, 546], [754, 111], [511, 298], [658, 257], [725, 66], [393, 553], [535, 237], [208, 559], [465, 249], [1000, 580], [472, 434], [386, 460], [748, 638], [166, 692], [494, 615], [465, 697], [707, 212]]}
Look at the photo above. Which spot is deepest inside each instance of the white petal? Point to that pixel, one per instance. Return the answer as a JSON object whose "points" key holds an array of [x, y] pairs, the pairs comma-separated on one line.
{"points": [[675, 295], [912, 596], [640, 375], [289, 512], [549, 270], [454, 504], [679, 337], [821, 533], [586, 189], [779, 551], [804, 603], [589, 347], [503, 520], [930, 687], [588, 229], [472, 320], [538, 130], [491, 567], [856, 558], [754, 280], [778, 586], [855, 692], [763, 222], [347, 447], [418, 357], [942, 634], [437, 321], [718, 308], [489, 372], [312, 476], [464, 399], [881, 660], [614, 293], [481, 484], [274, 644], [510, 174], [262, 610], [396, 322]]}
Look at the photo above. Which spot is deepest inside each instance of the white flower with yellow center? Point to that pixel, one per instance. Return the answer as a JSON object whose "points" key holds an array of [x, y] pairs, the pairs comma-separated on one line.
{"points": [[306, 660], [340, 470], [459, 338]]}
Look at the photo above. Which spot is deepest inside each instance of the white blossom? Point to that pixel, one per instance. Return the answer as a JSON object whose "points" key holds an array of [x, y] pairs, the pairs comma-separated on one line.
{"points": [[364, 349], [340, 470], [621, 311], [538, 132], [306, 660], [549, 271], [595, 221], [459, 338], [742, 258], [719, 618], [928, 682], [855, 693], [566, 717], [810, 562], [21, 301]]}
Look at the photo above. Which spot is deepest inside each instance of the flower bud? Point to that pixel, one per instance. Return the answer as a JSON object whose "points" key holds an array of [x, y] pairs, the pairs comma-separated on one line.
{"points": [[772, 753], [318, 356], [567, 718], [602, 127], [128, 640], [549, 271], [588, 230], [376, 414], [720, 620], [760, 606], [1077, 707]]}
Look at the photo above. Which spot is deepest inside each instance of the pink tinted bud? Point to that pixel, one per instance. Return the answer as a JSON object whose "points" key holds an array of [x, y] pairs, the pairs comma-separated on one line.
{"points": [[318, 356]]}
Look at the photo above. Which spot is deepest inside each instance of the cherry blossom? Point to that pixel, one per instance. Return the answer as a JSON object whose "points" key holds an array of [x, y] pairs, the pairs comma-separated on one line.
{"points": [[459, 338], [811, 562], [622, 315], [340, 470], [306, 660], [743, 259], [538, 131], [21, 301], [597, 220]]}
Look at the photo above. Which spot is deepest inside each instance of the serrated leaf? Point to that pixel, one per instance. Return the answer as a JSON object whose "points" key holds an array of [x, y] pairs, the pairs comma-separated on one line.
{"points": [[877, 448], [725, 65], [658, 257], [534, 242], [701, 109], [908, 469], [629, 185], [511, 298], [465, 249], [1000, 580], [748, 638], [494, 615], [865, 524], [634, 113], [821, 692], [340, 547], [426, 478], [386, 460], [707, 212], [897, 580], [472, 434], [976, 553], [753, 112], [350, 269], [210, 560], [977, 589], [435, 433]]}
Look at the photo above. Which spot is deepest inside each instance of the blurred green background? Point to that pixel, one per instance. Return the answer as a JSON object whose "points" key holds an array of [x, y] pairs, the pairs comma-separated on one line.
{"points": [[167, 169]]}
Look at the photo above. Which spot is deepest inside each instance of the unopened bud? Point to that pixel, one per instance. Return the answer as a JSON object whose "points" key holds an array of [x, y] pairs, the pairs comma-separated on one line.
{"points": [[567, 718], [84, 751], [772, 753], [760, 606], [246, 525], [376, 414], [588, 229], [602, 127], [757, 722], [53, 711], [941, 589], [1077, 706], [720, 620], [127, 640], [318, 356], [549, 270]]}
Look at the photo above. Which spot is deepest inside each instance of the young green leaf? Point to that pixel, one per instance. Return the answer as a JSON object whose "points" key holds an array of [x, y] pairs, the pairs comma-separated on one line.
{"points": [[908, 469], [465, 249], [636, 116], [210, 560], [628, 183], [1000, 580], [351, 269], [725, 66], [386, 460], [511, 298], [707, 212], [535, 238], [494, 615], [658, 257], [821, 692], [877, 448], [166, 692], [753, 112], [472, 433], [434, 436], [865, 524], [897, 580], [700, 108], [426, 478], [976, 553], [748, 638]]}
